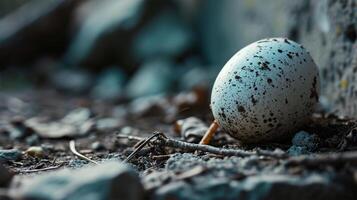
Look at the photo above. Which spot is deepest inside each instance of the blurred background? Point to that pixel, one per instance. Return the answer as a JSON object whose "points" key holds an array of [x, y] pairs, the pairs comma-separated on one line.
{"points": [[124, 49]]}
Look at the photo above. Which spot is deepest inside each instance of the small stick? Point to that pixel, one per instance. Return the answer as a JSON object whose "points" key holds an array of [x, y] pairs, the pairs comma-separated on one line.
{"points": [[140, 146], [324, 159], [210, 133], [168, 142], [40, 170], [129, 137], [72, 147], [215, 150]]}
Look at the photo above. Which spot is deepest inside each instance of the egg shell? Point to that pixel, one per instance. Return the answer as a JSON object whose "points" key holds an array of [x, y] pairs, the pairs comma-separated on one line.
{"points": [[266, 91]]}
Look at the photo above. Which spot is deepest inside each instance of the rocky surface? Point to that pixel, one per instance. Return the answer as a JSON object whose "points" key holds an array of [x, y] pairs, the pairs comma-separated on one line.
{"points": [[109, 180]]}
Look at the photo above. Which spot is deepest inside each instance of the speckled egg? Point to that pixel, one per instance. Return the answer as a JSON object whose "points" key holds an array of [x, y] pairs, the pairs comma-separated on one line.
{"points": [[266, 91]]}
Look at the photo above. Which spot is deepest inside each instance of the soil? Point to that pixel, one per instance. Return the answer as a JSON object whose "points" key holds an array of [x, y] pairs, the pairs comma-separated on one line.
{"points": [[334, 134]]}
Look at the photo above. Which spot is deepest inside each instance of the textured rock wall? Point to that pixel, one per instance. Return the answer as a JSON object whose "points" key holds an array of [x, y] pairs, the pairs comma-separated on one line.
{"points": [[328, 28]]}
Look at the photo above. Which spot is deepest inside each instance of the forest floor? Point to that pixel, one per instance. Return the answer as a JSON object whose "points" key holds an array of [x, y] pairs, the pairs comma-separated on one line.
{"points": [[38, 126]]}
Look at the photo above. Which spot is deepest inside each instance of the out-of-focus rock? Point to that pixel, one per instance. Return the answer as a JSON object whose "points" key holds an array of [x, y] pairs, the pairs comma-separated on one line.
{"points": [[72, 81], [303, 138], [105, 31], [10, 155], [303, 143], [110, 84], [154, 77], [227, 26], [76, 123], [166, 35], [5, 176], [312, 187], [111, 180], [191, 129], [35, 151], [329, 30], [36, 29], [106, 124], [197, 77], [153, 106]]}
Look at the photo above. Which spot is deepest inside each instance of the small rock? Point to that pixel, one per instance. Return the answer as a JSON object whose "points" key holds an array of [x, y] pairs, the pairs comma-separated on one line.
{"points": [[166, 35], [191, 129], [110, 180], [35, 151], [156, 105], [197, 77], [303, 143], [297, 150], [268, 186], [77, 116], [72, 81], [18, 129], [305, 139], [104, 28], [76, 123], [38, 29], [10, 155], [106, 124], [5, 176], [109, 84], [76, 163], [97, 146], [154, 77], [32, 140]]}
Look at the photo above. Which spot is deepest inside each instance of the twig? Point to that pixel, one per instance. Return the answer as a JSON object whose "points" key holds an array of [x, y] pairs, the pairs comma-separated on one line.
{"points": [[211, 131], [72, 147], [215, 150], [324, 159], [129, 137], [168, 142], [142, 145], [43, 169]]}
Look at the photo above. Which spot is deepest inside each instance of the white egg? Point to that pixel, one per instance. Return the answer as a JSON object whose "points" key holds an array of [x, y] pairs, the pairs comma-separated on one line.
{"points": [[266, 91]]}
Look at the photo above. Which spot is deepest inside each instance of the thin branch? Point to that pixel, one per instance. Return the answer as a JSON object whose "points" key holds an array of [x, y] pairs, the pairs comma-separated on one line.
{"points": [[43, 169], [215, 150], [140, 146], [168, 142], [211, 131], [324, 159], [72, 147], [129, 137]]}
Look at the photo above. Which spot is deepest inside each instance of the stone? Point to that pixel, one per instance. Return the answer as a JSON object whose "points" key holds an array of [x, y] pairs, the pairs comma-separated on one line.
{"points": [[104, 32], [192, 129], [305, 139], [78, 122], [110, 84], [107, 124], [72, 81], [109, 180], [10, 155], [269, 186], [5, 176], [154, 77], [298, 150], [329, 31], [36, 29], [166, 35]]}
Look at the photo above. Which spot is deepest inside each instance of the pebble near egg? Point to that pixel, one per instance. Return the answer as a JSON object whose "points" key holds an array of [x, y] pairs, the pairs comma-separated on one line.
{"points": [[266, 91]]}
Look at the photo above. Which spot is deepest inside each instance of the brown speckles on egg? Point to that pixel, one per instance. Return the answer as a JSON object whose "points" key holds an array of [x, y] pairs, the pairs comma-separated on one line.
{"points": [[241, 109]]}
